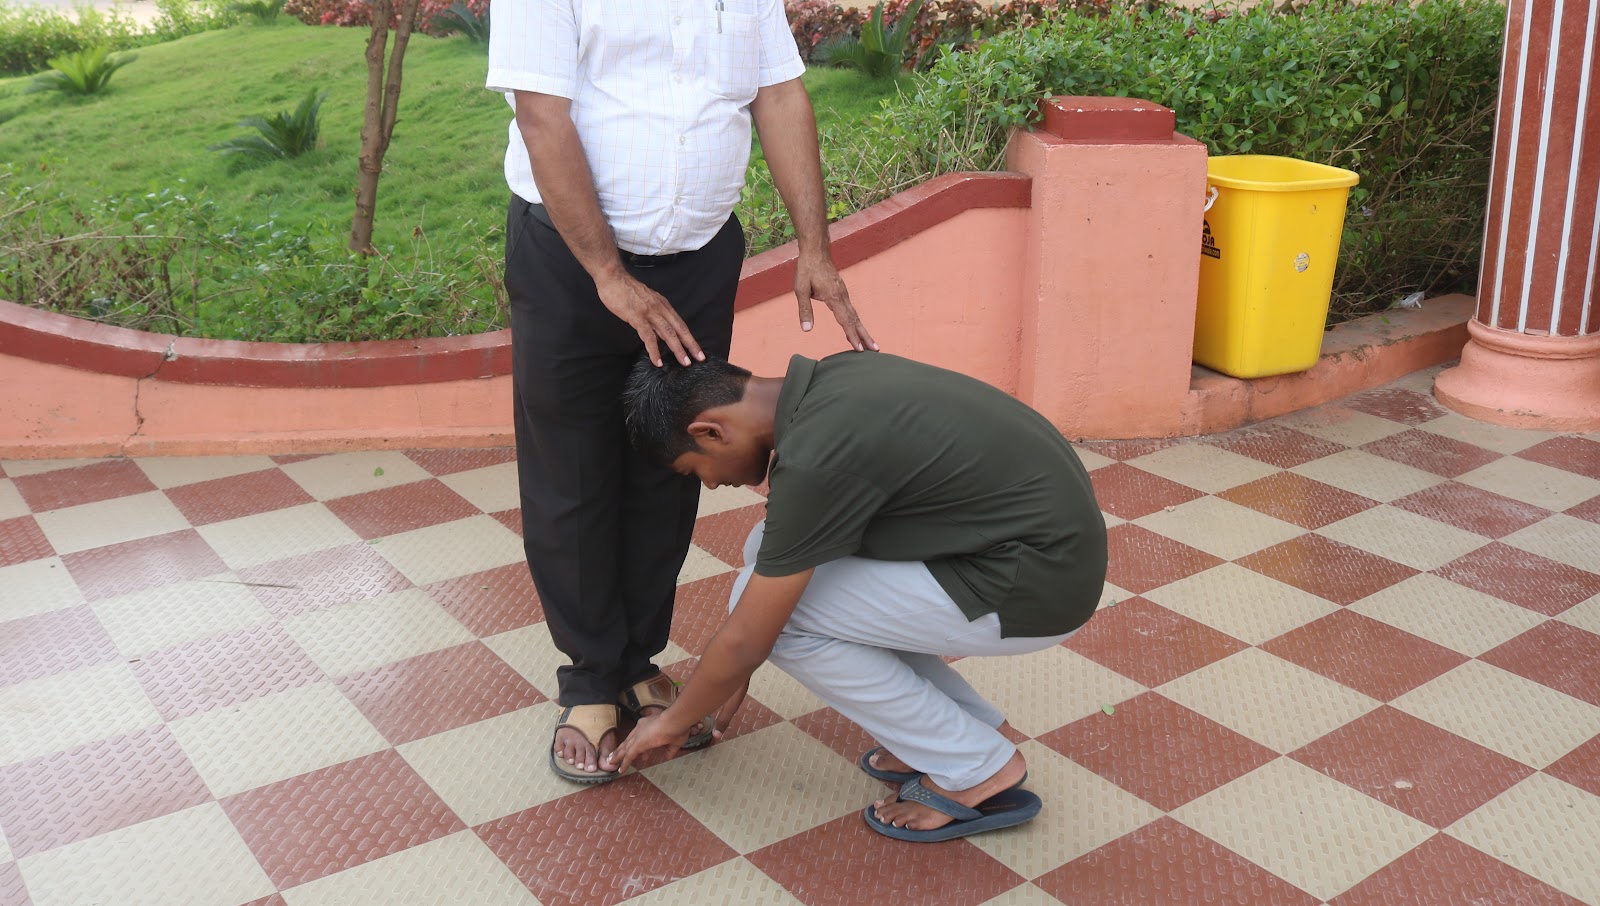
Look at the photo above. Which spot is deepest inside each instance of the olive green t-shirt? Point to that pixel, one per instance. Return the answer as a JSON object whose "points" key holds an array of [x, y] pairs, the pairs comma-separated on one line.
{"points": [[888, 459]]}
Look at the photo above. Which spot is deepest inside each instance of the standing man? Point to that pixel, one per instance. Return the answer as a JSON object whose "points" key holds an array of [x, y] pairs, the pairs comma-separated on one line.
{"points": [[627, 154]]}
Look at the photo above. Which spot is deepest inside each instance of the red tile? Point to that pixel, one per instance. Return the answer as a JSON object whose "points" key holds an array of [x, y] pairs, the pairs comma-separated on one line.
{"points": [[699, 610], [1396, 404], [1141, 560], [1277, 445], [1580, 767], [274, 900], [1150, 643], [1129, 449], [1444, 871], [12, 891], [1167, 863], [1589, 509], [1554, 654], [93, 483], [1432, 452], [1338, 572], [1159, 750], [604, 844], [133, 566], [1129, 493], [92, 789], [313, 825], [237, 496], [224, 670], [1473, 509], [1365, 654], [846, 863], [491, 602], [1574, 454], [438, 691], [354, 572], [449, 462], [22, 540], [284, 459], [1299, 500], [1413, 766], [404, 508], [53, 642], [1527, 580], [511, 519], [724, 534]]}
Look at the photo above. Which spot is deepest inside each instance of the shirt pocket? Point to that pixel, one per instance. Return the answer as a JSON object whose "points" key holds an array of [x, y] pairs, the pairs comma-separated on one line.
{"points": [[730, 52]]}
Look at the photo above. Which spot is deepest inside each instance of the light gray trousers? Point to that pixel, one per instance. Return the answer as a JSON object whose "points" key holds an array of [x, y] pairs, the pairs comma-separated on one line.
{"points": [[868, 638]]}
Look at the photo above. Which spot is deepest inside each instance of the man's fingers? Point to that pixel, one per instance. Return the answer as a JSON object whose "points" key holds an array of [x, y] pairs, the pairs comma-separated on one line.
{"points": [[729, 710], [652, 345], [671, 328], [804, 296]]}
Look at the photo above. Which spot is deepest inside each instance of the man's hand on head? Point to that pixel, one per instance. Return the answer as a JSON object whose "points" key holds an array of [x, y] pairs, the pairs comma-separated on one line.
{"points": [[651, 316]]}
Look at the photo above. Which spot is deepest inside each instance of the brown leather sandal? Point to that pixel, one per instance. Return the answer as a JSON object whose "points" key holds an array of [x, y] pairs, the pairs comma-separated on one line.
{"points": [[594, 722], [660, 692]]}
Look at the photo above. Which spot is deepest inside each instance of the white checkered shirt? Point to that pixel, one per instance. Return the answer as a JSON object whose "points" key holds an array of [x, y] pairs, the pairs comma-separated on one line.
{"points": [[661, 93]]}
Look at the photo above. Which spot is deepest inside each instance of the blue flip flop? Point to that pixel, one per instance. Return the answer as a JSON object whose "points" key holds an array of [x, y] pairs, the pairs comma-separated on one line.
{"points": [[880, 773], [1007, 808]]}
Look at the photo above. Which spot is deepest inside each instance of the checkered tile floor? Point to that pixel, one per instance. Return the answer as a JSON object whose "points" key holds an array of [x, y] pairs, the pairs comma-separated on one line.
{"points": [[1351, 656]]}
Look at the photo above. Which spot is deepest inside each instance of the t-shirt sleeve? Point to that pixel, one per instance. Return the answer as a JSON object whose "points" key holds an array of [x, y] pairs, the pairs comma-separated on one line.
{"points": [[533, 46], [780, 56], [814, 516]]}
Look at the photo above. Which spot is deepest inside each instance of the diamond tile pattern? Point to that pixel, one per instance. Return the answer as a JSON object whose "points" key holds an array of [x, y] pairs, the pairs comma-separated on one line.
{"points": [[1350, 657]]}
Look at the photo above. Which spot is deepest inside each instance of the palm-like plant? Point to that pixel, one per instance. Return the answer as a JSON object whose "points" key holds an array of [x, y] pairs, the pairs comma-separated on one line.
{"points": [[84, 72], [879, 51], [260, 10], [461, 18], [280, 136]]}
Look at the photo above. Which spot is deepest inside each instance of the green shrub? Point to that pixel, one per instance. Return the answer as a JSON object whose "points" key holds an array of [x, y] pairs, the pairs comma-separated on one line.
{"points": [[259, 10], [82, 73], [279, 136], [181, 18], [879, 49], [462, 18], [1402, 94], [30, 36]]}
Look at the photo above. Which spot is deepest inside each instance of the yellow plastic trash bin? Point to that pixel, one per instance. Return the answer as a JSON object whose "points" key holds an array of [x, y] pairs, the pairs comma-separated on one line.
{"points": [[1268, 249]]}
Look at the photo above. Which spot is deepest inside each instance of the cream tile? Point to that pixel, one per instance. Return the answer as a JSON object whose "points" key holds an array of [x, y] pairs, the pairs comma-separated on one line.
{"points": [[1370, 476], [490, 489], [699, 564], [1421, 381], [1220, 528], [265, 537], [1204, 467], [453, 549], [1533, 482], [533, 654], [343, 474], [11, 503], [190, 858], [1452, 615], [1309, 829], [35, 587], [782, 693], [1082, 812], [1023, 895], [5, 848], [1342, 426], [1482, 434], [1091, 460], [19, 467], [1545, 827], [92, 525], [1585, 615], [1563, 539], [803, 782], [1242, 603], [735, 882], [1281, 705], [1047, 689], [1111, 595], [454, 869], [727, 498], [1113, 521], [1404, 537], [275, 737], [365, 634], [492, 768], [57, 712], [175, 471], [1498, 710], [162, 617]]}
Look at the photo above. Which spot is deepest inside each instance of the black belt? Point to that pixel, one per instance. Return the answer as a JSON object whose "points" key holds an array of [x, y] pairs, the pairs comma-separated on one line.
{"points": [[633, 258]]}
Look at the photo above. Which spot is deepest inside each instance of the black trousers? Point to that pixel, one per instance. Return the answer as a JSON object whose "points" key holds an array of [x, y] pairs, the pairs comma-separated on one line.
{"points": [[605, 530]]}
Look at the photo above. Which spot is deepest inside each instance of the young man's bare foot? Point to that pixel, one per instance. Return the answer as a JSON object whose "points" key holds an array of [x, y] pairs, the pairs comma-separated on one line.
{"points": [[574, 749], [884, 760], [919, 817]]}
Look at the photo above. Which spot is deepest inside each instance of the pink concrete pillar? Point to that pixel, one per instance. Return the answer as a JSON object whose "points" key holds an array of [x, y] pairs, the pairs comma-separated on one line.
{"points": [[1111, 268], [1533, 356]]}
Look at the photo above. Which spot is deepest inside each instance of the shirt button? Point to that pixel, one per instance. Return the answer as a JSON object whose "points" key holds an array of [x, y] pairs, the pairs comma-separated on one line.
{"points": [[677, 77], [677, 20], [682, 139]]}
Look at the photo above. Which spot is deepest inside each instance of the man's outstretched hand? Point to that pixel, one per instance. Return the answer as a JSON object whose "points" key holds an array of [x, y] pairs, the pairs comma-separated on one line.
{"points": [[650, 734], [815, 277], [726, 713]]}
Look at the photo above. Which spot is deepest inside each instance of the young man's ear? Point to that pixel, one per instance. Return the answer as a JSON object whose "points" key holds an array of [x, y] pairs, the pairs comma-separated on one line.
{"points": [[707, 431]]}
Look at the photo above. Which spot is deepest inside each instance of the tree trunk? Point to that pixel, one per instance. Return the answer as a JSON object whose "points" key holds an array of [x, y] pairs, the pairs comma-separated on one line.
{"points": [[383, 101]]}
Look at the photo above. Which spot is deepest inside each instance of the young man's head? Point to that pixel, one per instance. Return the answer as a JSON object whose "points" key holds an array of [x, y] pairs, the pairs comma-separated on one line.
{"points": [[697, 421]]}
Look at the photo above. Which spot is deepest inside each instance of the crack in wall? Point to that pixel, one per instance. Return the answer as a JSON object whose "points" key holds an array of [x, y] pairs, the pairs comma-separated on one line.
{"points": [[170, 355]]}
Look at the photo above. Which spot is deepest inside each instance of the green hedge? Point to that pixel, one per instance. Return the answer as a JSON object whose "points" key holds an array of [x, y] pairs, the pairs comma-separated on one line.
{"points": [[31, 35]]}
